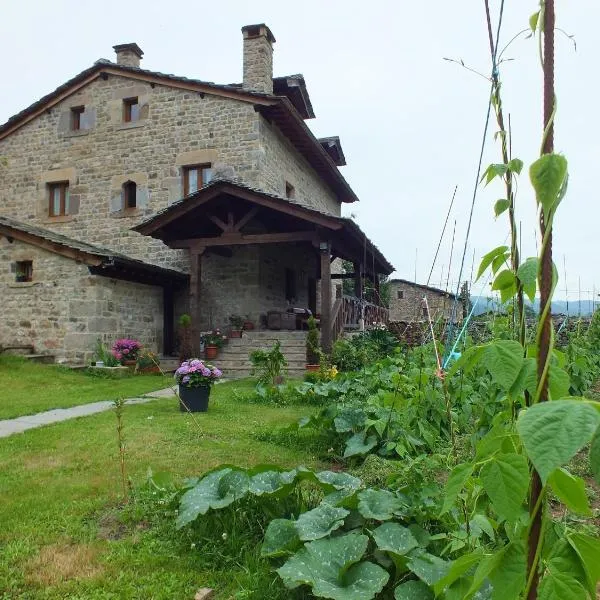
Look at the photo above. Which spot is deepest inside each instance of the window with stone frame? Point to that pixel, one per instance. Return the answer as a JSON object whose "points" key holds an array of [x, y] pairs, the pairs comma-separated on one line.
{"points": [[58, 199], [400, 294], [131, 110], [76, 114], [129, 195], [194, 177], [23, 271]]}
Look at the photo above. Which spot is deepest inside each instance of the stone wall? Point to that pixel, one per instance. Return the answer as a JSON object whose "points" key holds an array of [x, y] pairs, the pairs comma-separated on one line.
{"points": [[410, 306], [64, 310]]}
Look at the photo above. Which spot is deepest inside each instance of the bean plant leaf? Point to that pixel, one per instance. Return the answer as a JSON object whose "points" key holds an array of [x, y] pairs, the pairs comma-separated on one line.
{"points": [[533, 21], [553, 432], [360, 444], [501, 206], [508, 578], [393, 537], [216, 490], [557, 585], [413, 590], [506, 481], [528, 274], [504, 359], [595, 455], [380, 505], [456, 482], [559, 383], [329, 567], [458, 568], [320, 522], [487, 260], [588, 550], [493, 171], [339, 481], [548, 176], [504, 279], [281, 538], [427, 567], [515, 165], [570, 490]]}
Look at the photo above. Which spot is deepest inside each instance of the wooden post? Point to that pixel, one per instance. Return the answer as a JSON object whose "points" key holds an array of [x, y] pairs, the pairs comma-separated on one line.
{"points": [[325, 251], [358, 282], [377, 290], [168, 318], [195, 295]]}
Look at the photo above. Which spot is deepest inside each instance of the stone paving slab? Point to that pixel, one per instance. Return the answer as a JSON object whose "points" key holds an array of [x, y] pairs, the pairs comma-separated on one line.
{"points": [[21, 424]]}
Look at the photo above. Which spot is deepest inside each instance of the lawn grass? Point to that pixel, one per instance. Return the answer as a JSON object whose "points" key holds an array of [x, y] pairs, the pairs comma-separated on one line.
{"points": [[63, 535], [27, 388]]}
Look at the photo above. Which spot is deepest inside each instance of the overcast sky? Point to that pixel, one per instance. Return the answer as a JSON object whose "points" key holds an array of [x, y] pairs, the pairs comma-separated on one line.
{"points": [[411, 123]]}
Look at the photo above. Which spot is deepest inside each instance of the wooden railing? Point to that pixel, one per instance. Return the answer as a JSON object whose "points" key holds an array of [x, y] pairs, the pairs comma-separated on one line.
{"points": [[347, 312]]}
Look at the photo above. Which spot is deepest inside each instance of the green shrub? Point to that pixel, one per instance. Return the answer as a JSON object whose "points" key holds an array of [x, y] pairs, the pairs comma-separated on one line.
{"points": [[313, 349], [268, 366]]}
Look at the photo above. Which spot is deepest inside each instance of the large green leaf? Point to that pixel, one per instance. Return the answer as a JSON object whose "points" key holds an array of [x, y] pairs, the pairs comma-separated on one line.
{"points": [[380, 505], [559, 383], [456, 482], [216, 490], [588, 549], [487, 260], [269, 483], [570, 490], [501, 206], [360, 444], [427, 567], [339, 480], [504, 359], [557, 585], [393, 537], [516, 165], [506, 480], [328, 566], [457, 569], [413, 590], [553, 432], [508, 578], [350, 419], [595, 455], [320, 521], [527, 274], [548, 176], [281, 538]]}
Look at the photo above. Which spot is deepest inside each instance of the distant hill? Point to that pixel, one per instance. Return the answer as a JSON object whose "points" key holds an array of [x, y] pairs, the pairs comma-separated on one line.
{"points": [[485, 304]]}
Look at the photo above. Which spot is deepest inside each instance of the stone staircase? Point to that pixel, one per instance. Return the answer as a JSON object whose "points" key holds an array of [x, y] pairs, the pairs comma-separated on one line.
{"points": [[26, 351], [234, 361]]}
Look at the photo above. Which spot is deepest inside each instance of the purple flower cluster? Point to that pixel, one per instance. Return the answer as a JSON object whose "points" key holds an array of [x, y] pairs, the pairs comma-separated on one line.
{"points": [[126, 349], [195, 373]]}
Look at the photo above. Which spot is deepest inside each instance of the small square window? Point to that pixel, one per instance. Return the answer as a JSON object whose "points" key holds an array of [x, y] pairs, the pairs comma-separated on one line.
{"points": [[194, 177], [400, 294], [58, 199], [131, 110], [24, 271], [76, 113], [290, 192]]}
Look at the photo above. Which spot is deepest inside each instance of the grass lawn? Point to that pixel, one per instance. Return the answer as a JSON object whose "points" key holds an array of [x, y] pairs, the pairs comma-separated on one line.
{"points": [[63, 535], [27, 388]]}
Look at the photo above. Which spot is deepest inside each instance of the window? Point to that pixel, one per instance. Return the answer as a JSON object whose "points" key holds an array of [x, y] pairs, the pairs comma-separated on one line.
{"points": [[290, 192], [194, 177], [76, 113], [131, 110], [400, 294], [24, 271], [129, 195], [290, 285], [58, 199]]}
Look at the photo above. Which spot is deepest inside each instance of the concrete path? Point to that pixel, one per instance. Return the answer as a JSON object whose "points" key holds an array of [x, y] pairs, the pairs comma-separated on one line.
{"points": [[21, 424]]}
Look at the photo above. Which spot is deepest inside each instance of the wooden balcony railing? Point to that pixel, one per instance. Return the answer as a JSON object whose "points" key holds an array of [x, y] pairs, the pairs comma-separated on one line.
{"points": [[347, 312]]}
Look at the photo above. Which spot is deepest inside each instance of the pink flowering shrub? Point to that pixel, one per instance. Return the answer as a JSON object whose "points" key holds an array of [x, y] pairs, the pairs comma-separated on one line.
{"points": [[195, 373], [126, 349]]}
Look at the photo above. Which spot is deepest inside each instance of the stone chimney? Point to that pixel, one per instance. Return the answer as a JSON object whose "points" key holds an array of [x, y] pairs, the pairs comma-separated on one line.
{"points": [[128, 55], [258, 58]]}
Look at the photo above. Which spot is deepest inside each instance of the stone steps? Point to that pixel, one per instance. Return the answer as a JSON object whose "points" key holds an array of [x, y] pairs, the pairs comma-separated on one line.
{"points": [[27, 351]]}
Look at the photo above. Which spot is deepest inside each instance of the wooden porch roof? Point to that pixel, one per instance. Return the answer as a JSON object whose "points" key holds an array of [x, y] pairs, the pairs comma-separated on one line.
{"points": [[228, 213]]}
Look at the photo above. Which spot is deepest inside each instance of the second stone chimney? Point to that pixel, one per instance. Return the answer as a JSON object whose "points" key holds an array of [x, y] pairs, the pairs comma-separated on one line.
{"points": [[258, 58], [128, 55]]}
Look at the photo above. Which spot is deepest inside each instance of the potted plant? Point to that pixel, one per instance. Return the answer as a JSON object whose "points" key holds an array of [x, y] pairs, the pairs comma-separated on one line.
{"points": [[195, 379], [313, 350], [212, 341], [126, 351], [185, 337], [248, 324], [148, 362], [237, 325]]}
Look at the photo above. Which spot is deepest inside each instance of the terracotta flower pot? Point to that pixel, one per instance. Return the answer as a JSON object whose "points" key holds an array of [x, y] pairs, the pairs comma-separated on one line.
{"points": [[211, 351], [235, 333], [313, 368], [130, 363], [248, 325]]}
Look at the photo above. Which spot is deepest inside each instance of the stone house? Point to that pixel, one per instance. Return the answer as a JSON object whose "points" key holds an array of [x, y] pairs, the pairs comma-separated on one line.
{"points": [[410, 301], [129, 196]]}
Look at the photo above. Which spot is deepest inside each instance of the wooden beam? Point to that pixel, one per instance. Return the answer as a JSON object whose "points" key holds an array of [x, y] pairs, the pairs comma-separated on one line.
{"points": [[326, 298], [195, 297], [247, 217], [239, 239], [358, 279], [219, 223]]}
